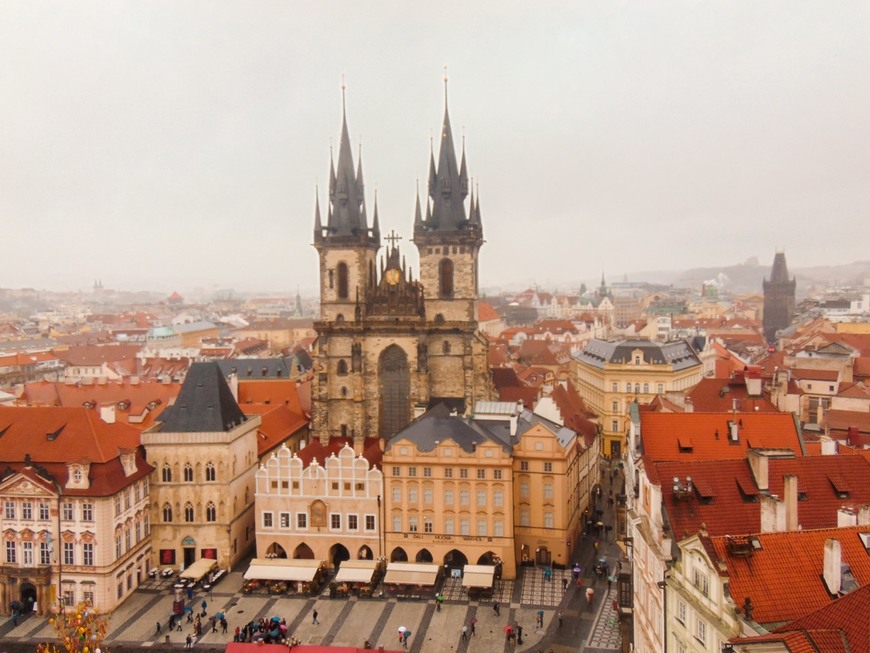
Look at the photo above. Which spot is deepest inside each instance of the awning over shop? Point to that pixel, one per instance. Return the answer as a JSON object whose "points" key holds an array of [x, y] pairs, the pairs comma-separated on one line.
{"points": [[283, 569], [411, 573], [478, 575], [199, 569], [356, 571]]}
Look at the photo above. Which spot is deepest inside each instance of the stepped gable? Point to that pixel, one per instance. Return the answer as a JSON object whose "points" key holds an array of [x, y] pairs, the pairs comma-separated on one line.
{"points": [[205, 403]]}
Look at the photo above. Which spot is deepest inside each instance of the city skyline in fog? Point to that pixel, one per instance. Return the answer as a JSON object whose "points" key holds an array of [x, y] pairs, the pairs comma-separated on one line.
{"points": [[170, 145]]}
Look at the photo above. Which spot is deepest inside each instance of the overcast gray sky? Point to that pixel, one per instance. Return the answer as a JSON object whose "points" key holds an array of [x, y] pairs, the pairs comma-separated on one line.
{"points": [[160, 145]]}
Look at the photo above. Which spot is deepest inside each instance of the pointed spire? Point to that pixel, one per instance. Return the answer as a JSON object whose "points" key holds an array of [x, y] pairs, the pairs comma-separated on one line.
{"points": [[418, 214], [376, 227], [432, 176], [318, 225], [474, 208], [463, 175], [347, 214], [359, 175]]}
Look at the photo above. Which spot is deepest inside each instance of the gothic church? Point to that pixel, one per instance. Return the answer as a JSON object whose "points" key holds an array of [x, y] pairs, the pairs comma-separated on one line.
{"points": [[389, 346]]}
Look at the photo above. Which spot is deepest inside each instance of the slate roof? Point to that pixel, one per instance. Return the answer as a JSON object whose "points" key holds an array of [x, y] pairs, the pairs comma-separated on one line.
{"points": [[598, 353], [260, 368], [705, 436], [783, 577], [204, 404], [437, 424]]}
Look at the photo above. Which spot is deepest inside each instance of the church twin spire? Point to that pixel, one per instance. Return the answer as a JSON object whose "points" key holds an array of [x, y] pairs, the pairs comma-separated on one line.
{"points": [[346, 216]]}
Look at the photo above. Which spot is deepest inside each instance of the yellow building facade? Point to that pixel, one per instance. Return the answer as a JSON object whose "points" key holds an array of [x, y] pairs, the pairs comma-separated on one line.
{"points": [[611, 375]]}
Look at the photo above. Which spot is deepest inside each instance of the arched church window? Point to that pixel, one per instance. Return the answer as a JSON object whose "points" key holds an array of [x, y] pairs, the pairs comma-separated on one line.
{"points": [[188, 473], [339, 318], [188, 512], [209, 471], [167, 513], [342, 281], [210, 512], [445, 347], [439, 319], [166, 474], [445, 278], [342, 366]]}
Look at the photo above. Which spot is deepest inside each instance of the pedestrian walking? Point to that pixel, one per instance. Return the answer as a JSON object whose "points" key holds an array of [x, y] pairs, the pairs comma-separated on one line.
{"points": [[564, 583], [314, 619], [519, 630], [464, 631], [158, 628], [496, 608], [541, 618], [188, 642], [204, 606], [590, 594], [224, 625], [559, 616], [609, 582], [405, 637], [473, 627], [579, 583]]}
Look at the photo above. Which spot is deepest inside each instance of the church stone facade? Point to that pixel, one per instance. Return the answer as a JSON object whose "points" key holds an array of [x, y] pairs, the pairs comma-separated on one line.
{"points": [[390, 346]]}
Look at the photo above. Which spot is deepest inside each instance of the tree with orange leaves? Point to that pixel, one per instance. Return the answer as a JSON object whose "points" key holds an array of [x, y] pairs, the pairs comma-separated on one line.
{"points": [[78, 631]]}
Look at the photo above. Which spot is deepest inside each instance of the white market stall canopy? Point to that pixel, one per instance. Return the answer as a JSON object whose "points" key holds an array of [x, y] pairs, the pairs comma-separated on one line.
{"points": [[356, 571], [478, 575], [199, 569], [411, 573], [283, 569]]}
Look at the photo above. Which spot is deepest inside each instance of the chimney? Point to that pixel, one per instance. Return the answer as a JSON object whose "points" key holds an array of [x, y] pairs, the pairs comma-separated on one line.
{"points": [[514, 420], [758, 463], [734, 431], [846, 517], [864, 515], [772, 514], [833, 562], [688, 406], [107, 413], [233, 382], [829, 446], [753, 384], [790, 490]]}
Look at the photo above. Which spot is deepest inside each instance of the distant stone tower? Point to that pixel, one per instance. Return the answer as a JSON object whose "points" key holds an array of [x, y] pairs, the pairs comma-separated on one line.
{"points": [[779, 295]]}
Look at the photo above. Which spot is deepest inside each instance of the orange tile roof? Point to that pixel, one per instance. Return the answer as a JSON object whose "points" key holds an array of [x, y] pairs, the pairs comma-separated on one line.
{"points": [[133, 400], [718, 395], [486, 313], [277, 424], [97, 355], [726, 498], [783, 577], [709, 435], [56, 436], [849, 615], [270, 391]]}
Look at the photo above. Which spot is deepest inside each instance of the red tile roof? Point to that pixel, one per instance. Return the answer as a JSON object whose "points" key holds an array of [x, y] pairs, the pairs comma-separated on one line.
{"points": [[804, 374], [725, 497], [270, 391], [719, 395], [277, 424], [849, 615], [133, 401], [55, 436], [486, 313], [783, 577], [709, 435], [372, 451], [97, 355]]}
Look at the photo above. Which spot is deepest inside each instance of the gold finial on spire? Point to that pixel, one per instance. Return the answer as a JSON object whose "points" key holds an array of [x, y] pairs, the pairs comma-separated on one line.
{"points": [[343, 89], [445, 85]]}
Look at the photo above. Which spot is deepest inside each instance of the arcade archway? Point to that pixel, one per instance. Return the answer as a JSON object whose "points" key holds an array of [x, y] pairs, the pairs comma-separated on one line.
{"points": [[303, 552], [455, 559], [365, 553], [424, 556], [275, 550], [398, 555], [338, 553]]}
